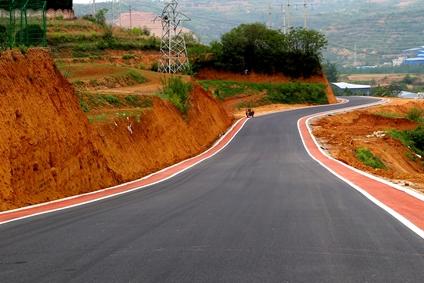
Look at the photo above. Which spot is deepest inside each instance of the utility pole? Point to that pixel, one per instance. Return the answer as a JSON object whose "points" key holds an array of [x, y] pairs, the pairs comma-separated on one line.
{"points": [[305, 14], [94, 7], [130, 17], [119, 13], [288, 15], [269, 16], [173, 48], [284, 27]]}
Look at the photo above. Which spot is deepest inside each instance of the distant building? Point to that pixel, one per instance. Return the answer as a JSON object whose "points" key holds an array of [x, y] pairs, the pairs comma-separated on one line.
{"points": [[410, 95], [413, 56], [414, 61], [399, 61], [354, 89]]}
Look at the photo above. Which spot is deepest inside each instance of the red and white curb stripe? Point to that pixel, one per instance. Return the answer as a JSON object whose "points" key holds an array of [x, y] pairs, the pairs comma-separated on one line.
{"points": [[152, 179], [406, 205]]}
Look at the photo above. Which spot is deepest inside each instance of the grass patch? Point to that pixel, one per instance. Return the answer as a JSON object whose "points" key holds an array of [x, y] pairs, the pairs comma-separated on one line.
{"points": [[176, 91], [97, 118], [136, 76], [137, 101], [368, 158], [412, 139], [390, 115], [112, 100], [415, 114], [128, 56], [289, 93]]}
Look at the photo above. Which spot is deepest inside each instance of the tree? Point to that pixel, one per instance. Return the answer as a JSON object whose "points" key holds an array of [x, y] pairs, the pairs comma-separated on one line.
{"points": [[330, 70], [254, 47], [101, 17]]}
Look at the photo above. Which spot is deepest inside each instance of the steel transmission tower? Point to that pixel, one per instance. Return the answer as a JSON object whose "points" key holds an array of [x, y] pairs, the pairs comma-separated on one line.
{"points": [[173, 48]]}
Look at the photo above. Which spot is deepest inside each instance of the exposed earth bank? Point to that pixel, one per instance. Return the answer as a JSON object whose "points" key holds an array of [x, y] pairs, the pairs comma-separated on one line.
{"points": [[209, 74], [343, 134], [48, 149]]}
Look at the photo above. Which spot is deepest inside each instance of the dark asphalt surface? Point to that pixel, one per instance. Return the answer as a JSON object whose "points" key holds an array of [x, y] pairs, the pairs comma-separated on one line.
{"points": [[260, 211]]}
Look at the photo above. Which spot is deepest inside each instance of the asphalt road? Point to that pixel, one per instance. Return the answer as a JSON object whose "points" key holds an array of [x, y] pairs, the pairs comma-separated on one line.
{"points": [[260, 211]]}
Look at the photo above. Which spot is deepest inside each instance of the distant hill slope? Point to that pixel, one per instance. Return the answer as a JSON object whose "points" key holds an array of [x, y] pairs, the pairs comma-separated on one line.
{"points": [[379, 28]]}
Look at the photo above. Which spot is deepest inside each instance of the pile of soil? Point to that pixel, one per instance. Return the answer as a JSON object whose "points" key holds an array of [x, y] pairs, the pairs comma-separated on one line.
{"points": [[48, 150], [342, 134], [211, 74]]}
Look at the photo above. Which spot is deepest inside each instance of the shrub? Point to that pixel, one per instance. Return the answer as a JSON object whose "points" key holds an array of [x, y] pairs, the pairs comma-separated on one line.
{"points": [[113, 100], [3, 37], [368, 158], [128, 56], [137, 77], [298, 93], [176, 91], [415, 114], [137, 101]]}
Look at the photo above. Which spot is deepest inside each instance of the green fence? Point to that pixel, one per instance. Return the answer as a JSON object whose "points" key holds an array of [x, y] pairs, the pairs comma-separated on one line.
{"points": [[22, 23]]}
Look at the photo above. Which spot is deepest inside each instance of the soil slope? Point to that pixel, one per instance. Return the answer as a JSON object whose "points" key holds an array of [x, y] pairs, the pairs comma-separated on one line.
{"points": [[344, 133], [48, 150], [210, 74]]}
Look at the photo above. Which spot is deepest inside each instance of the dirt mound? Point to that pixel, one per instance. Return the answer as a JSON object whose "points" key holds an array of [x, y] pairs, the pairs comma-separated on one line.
{"points": [[343, 134], [48, 150], [210, 74]]}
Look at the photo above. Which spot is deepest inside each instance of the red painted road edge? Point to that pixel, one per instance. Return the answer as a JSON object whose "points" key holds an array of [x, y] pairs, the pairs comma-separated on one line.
{"points": [[407, 206], [160, 176]]}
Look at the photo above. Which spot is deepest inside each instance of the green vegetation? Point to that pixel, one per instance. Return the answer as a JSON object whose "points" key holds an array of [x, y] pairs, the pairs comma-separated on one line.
{"points": [[136, 101], [391, 90], [136, 77], [254, 47], [413, 139], [176, 91], [128, 56], [415, 114], [87, 36], [274, 93], [369, 159], [89, 101], [390, 115]]}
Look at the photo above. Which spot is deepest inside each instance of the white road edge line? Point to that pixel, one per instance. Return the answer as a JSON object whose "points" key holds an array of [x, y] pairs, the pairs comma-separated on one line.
{"points": [[121, 185], [389, 210]]}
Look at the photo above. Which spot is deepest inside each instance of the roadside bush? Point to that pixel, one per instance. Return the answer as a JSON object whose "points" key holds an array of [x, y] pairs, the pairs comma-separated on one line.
{"points": [[368, 158], [32, 35], [298, 93], [176, 91], [415, 114], [3, 37], [413, 139]]}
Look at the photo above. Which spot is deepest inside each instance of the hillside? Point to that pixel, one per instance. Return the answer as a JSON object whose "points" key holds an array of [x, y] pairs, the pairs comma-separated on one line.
{"points": [[379, 28]]}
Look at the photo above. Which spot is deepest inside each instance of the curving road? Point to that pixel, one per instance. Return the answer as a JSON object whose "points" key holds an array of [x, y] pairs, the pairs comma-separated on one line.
{"points": [[260, 211]]}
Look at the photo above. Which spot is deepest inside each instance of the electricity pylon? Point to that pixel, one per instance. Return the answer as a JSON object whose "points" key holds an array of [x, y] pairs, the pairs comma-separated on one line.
{"points": [[173, 47]]}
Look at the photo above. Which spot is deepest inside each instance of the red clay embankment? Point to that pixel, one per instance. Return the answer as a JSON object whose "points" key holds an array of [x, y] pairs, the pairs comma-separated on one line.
{"points": [[210, 74], [48, 150]]}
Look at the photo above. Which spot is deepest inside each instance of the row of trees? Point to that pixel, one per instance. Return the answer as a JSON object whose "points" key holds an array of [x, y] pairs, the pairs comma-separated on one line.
{"points": [[254, 47]]}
